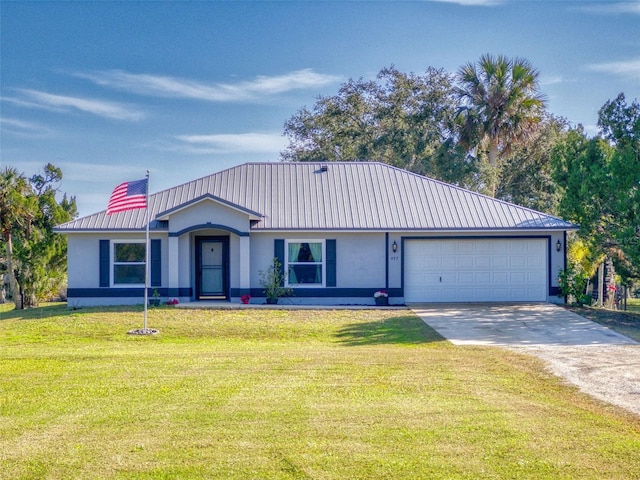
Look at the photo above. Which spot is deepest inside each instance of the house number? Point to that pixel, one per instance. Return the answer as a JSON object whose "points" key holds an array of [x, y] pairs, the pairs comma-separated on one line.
{"points": [[395, 258]]}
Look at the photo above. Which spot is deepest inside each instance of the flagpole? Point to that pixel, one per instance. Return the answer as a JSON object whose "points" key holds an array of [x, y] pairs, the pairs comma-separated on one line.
{"points": [[146, 260]]}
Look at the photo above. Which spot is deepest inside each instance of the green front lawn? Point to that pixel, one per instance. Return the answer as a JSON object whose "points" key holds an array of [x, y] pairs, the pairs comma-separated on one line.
{"points": [[287, 395], [633, 305]]}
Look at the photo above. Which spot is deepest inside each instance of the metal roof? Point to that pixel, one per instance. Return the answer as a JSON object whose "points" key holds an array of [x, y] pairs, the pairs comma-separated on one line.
{"points": [[342, 196]]}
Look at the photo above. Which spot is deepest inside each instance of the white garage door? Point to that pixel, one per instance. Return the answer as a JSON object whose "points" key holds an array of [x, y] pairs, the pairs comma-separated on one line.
{"points": [[487, 270]]}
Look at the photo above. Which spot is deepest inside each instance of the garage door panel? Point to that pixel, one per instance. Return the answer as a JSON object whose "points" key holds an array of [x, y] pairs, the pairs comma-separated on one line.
{"points": [[449, 262], [501, 261], [446, 248], [483, 262], [467, 278], [463, 248], [482, 278], [482, 248], [536, 278], [500, 277], [517, 261], [477, 270]]}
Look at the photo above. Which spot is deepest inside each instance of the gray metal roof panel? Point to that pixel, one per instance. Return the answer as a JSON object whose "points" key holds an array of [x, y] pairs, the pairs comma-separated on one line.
{"points": [[347, 196]]}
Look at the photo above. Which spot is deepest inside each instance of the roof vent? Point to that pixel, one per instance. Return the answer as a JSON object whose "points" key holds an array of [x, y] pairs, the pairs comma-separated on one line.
{"points": [[324, 168]]}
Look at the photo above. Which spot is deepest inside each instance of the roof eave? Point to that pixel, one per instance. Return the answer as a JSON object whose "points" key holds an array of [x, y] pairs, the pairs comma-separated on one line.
{"points": [[167, 213]]}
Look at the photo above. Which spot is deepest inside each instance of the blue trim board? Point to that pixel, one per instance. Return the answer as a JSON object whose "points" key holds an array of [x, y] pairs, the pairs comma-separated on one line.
{"points": [[126, 292], [322, 292], [234, 292], [215, 226]]}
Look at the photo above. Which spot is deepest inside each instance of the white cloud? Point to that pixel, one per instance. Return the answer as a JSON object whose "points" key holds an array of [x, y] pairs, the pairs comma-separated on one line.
{"points": [[612, 8], [231, 143], [99, 173], [164, 86], [546, 80], [629, 69], [62, 103], [24, 129]]}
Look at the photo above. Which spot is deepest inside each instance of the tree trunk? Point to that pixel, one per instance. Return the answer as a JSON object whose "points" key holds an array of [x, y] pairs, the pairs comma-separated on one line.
{"points": [[493, 163], [493, 156], [14, 288]]}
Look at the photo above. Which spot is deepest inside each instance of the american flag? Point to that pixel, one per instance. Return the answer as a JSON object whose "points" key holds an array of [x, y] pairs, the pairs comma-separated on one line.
{"points": [[128, 196]]}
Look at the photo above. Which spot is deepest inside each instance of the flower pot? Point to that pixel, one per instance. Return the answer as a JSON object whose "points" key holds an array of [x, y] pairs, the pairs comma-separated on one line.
{"points": [[154, 302], [382, 301], [272, 301]]}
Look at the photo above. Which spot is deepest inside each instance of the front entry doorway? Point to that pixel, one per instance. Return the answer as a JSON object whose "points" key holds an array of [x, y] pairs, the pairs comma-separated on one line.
{"points": [[212, 265]]}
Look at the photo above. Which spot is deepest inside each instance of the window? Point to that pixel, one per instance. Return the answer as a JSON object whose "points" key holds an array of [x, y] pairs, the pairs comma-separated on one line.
{"points": [[305, 262], [128, 263]]}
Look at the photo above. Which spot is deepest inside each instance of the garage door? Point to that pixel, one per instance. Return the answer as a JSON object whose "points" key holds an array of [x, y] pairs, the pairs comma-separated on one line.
{"points": [[498, 270]]}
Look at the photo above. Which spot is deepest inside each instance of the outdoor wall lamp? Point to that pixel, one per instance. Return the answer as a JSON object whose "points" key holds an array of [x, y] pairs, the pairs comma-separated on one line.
{"points": [[558, 246], [394, 247]]}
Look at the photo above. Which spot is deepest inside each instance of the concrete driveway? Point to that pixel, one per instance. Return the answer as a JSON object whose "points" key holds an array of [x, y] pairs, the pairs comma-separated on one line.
{"points": [[515, 325], [597, 360]]}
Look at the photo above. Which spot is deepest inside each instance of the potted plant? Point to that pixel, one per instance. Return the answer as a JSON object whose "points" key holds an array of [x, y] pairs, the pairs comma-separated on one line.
{"points": [[272, 281], [155, 298], [381, 297]]}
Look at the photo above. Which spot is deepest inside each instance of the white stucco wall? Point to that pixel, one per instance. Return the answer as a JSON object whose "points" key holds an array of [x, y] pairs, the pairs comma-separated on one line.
{"points": [[83, 266]]}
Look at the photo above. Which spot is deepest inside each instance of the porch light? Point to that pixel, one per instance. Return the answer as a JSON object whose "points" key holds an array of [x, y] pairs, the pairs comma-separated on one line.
{"points": [[394, 247], [558, 246]]}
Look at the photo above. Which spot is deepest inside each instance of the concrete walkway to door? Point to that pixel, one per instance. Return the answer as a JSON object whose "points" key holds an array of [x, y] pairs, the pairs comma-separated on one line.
{"points": [[599, 361]]}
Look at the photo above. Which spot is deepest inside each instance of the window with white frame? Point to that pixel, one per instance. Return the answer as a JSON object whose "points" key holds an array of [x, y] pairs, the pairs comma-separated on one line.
{"points": [[305, 262], [128, 262]]}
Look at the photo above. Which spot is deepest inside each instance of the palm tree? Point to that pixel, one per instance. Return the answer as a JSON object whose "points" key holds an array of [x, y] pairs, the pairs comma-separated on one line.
{"points": [[501, 104]]}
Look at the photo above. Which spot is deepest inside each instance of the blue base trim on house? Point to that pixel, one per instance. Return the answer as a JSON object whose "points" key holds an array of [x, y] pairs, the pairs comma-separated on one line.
{"points": [[238, 292], [322, 292], [126, 292]]}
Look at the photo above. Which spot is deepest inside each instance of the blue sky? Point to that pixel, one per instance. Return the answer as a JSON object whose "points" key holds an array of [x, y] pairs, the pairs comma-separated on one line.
{"points": [[107, 90]]}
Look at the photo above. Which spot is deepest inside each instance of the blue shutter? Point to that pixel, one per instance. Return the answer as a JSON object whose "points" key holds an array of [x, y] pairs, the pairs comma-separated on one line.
{"points": [[331, 263], [104, 263], [278, 252], [156, 265]]}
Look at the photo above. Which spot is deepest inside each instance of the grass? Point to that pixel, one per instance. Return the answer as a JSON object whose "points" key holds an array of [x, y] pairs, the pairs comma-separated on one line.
{"points": [[633, 305], [287, 395]]}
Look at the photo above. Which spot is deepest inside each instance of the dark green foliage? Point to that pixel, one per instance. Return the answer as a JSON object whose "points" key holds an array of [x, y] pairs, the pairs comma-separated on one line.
{"points": [[526, 173], [599, 180], [35, 257], [572, 284], [404, 120], [437, 125]]}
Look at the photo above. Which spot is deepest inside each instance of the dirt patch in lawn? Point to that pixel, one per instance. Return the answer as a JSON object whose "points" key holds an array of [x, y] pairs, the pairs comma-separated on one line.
{"points": [[610, 373]]}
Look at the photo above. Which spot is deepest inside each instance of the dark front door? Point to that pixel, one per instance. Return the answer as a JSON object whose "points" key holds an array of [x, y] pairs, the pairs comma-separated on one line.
{"points": [[212, 259]]}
